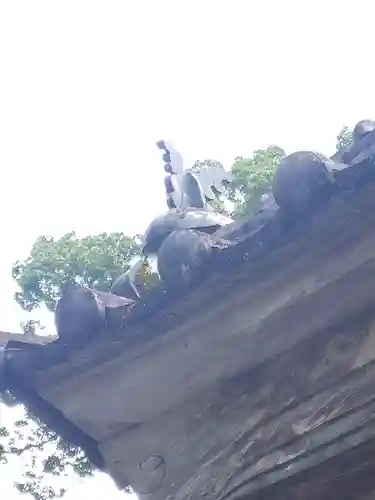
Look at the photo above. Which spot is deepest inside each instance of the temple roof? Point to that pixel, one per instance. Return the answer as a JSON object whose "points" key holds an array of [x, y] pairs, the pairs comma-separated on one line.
{"points": [[254, 239], [261, 247]]}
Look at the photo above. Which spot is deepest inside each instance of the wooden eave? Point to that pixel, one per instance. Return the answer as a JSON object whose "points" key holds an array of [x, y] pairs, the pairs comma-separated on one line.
{"points": [[245, 384]]}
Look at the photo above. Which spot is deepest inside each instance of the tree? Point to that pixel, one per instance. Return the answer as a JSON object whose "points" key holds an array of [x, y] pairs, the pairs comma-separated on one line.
{"points": [[52, 265], [252, 177], [94, 261], [344, 138], [43, 453]]}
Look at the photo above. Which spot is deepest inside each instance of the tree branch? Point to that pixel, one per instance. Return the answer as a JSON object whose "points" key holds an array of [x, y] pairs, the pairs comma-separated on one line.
{"points": [[29, 446]]}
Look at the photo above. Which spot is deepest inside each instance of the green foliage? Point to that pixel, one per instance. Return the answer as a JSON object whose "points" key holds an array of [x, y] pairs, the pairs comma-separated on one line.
{"points": [[344, 138], [94, 261], [30, 326], [252, 177], [44, 455], [206, 163]]}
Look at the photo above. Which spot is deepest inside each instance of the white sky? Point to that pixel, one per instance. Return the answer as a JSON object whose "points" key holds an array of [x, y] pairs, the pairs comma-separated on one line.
{"points": [[87, 87]]}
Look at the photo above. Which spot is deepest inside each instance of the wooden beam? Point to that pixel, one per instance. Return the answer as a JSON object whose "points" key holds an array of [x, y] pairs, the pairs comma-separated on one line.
{"points": [[6, 337]]}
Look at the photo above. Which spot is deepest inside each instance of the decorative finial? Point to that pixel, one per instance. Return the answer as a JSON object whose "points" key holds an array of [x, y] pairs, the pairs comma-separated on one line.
{"points": [[187, 188]]}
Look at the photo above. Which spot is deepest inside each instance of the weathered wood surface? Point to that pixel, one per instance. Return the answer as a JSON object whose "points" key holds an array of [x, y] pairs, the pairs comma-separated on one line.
{"points": [[18, 341], [6, 337], [262, 387], [311, 404]]}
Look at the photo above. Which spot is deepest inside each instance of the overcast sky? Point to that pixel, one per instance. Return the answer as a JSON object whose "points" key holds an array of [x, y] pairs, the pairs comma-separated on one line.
{"points": [[87, 87]]}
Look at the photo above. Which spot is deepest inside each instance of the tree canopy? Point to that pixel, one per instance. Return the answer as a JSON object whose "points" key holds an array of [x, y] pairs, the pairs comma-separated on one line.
{"points": [[47, 459], [94, 261], [344, 138], [252, 177]]}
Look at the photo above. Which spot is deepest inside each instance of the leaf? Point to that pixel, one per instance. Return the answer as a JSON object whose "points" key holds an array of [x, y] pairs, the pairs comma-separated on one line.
{"points": [[21, 423], [344, 138], [53, 464]]}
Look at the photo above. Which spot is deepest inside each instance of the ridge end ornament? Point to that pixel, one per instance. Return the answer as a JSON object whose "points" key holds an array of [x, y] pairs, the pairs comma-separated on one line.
{"points": [[190, 187]]}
